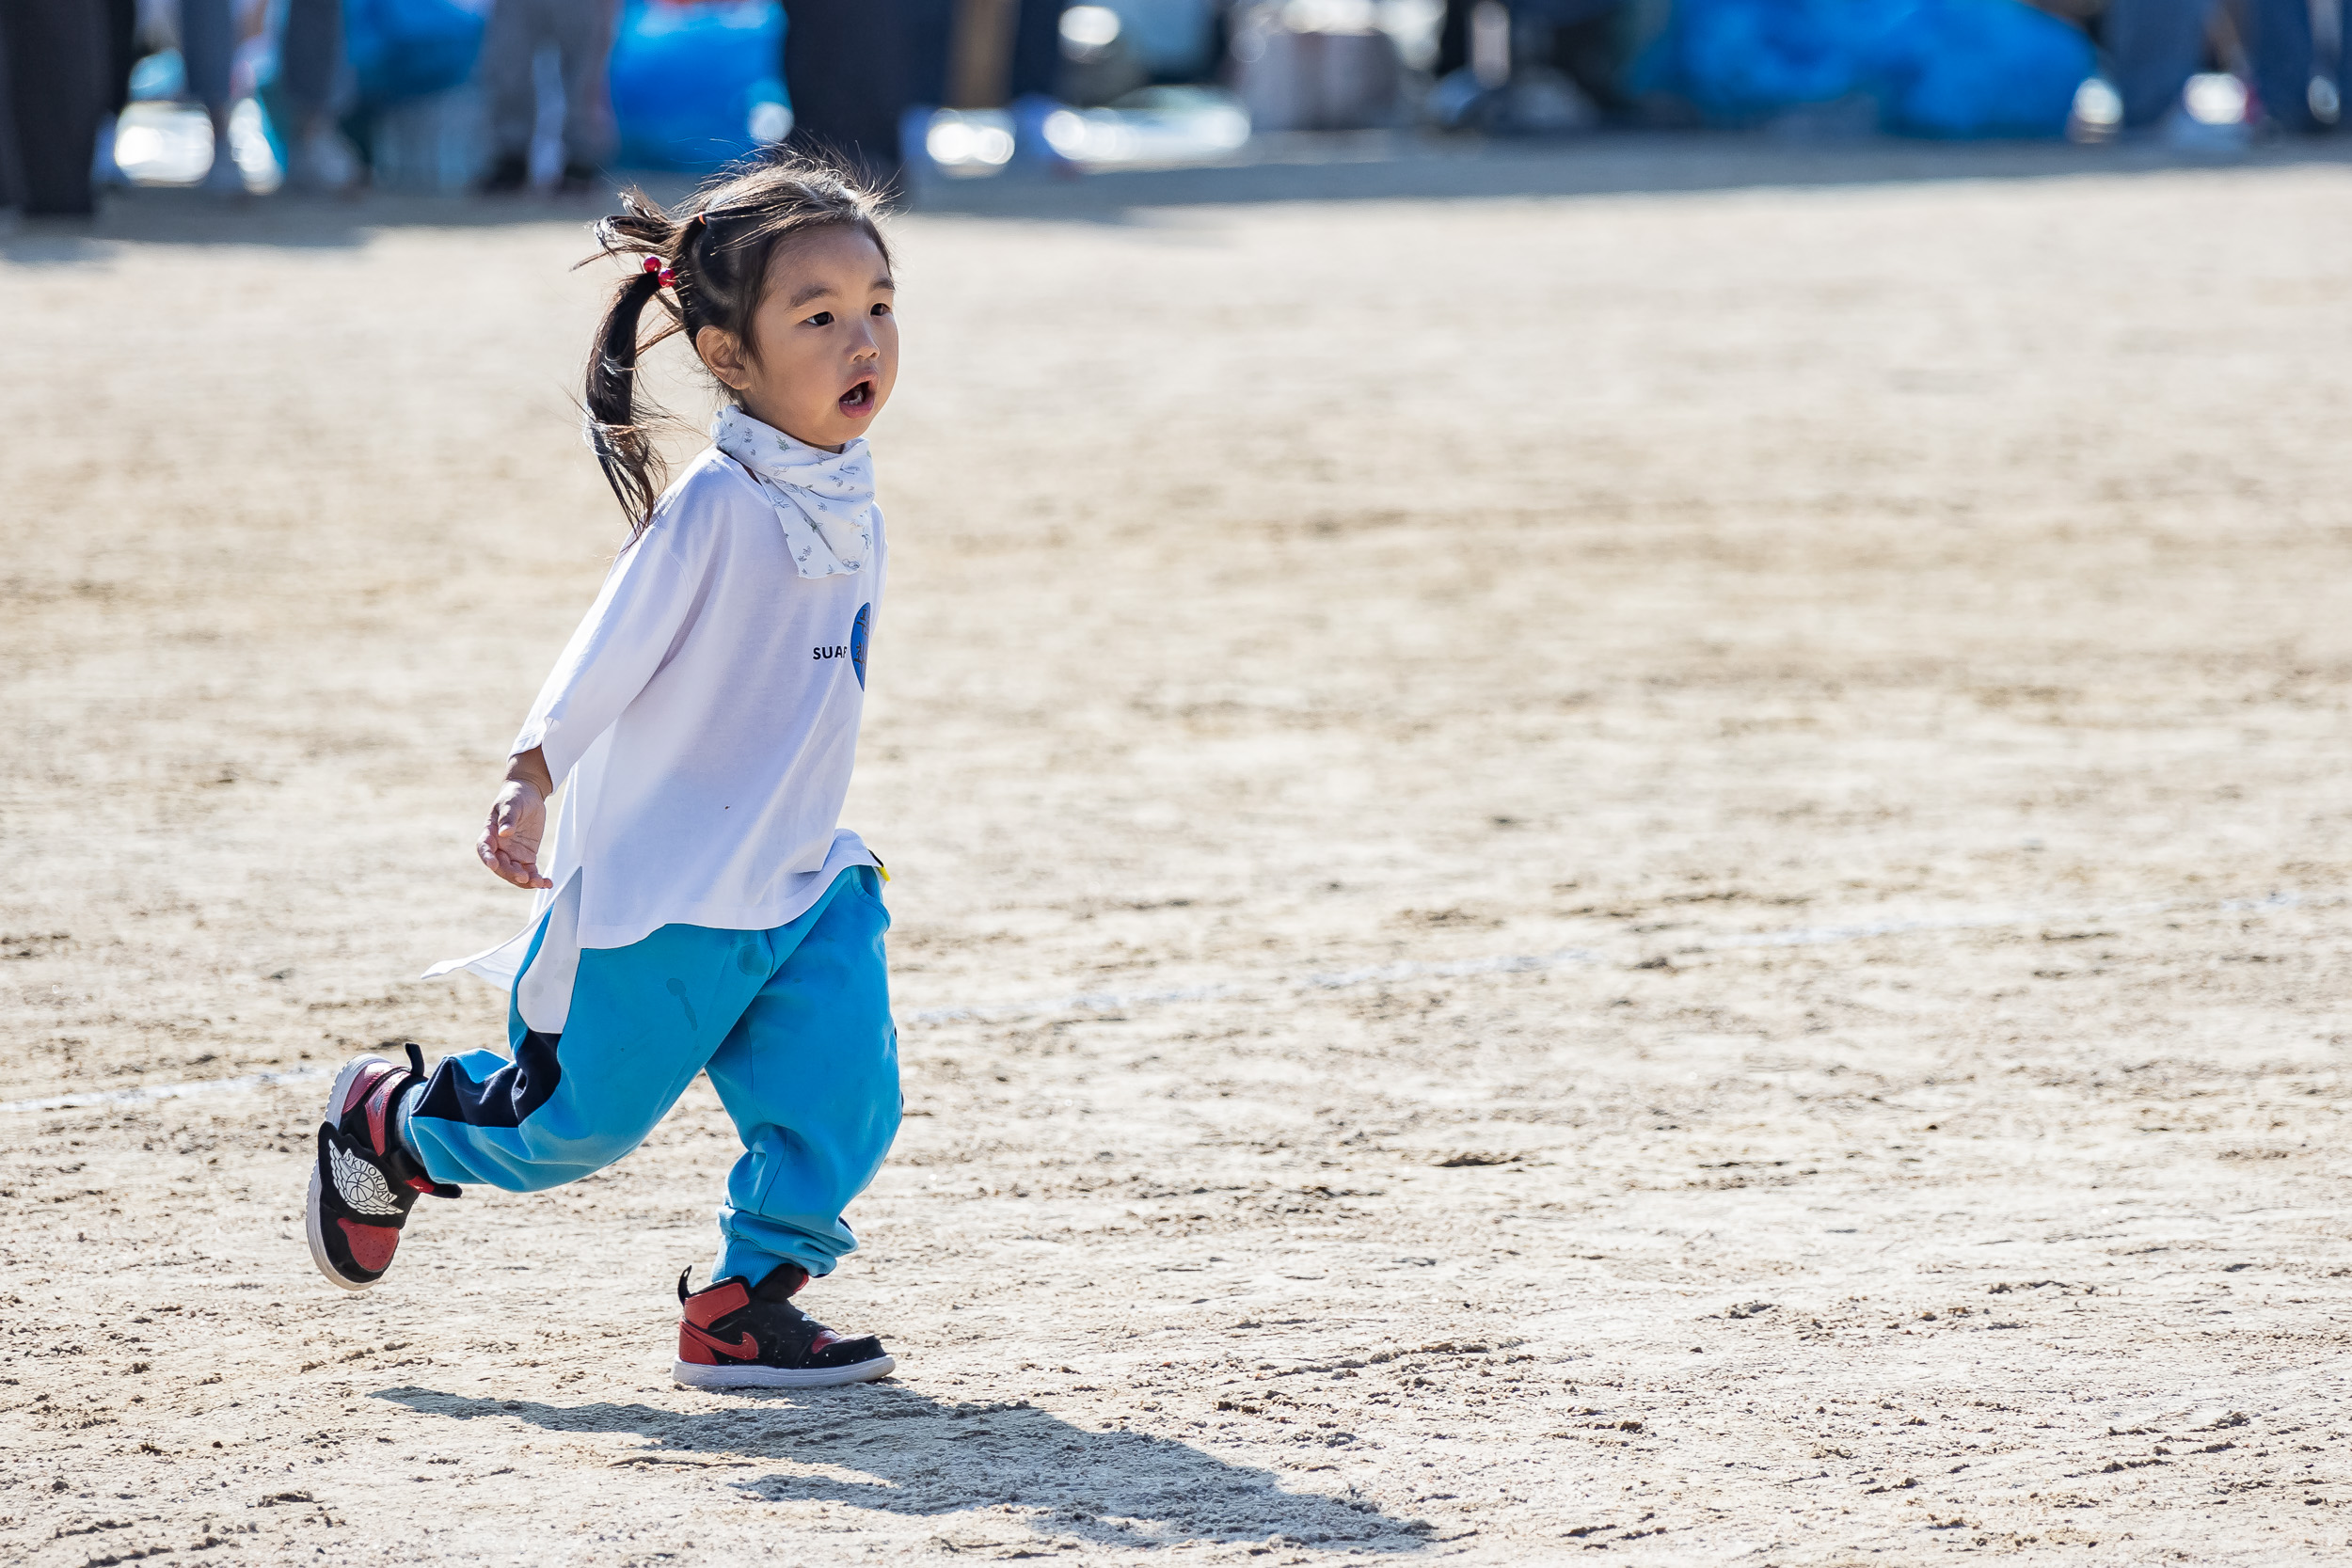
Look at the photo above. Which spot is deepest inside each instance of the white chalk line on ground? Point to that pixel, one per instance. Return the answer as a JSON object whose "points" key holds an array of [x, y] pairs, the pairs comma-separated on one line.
{"points": [[1509, 963], [172, 1091]]}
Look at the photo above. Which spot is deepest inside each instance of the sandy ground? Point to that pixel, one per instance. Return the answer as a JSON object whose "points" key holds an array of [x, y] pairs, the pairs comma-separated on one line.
{"points": [[1655, 872]]}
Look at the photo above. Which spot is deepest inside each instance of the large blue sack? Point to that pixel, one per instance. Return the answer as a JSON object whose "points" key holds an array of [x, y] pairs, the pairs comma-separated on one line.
{"points": [[1981, 67], [1741, 61], [403, 49], [697, 86], [1934, 68]]}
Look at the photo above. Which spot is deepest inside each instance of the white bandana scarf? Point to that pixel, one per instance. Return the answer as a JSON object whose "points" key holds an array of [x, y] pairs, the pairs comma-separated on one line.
{"points": [[824, 500]]}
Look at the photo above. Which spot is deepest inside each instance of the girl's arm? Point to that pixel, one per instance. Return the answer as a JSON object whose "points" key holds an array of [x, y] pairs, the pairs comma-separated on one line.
{"points": [[518, 819], [647, 602]]}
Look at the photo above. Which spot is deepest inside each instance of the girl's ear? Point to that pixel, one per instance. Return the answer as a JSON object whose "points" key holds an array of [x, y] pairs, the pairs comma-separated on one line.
{"points": [[723, 355]]}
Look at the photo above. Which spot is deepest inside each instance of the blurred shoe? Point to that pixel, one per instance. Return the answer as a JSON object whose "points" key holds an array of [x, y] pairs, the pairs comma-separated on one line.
{"points": [[225, 179], [735, 1335], [1459, 101], [580, 178], [510, 175], [1035, 119], [1543, 102], [323, 162], [2182, 132], [103, 171]]}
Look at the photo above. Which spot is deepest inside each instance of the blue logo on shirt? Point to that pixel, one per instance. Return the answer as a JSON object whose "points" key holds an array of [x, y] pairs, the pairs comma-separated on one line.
{"points": [[857, 641]]}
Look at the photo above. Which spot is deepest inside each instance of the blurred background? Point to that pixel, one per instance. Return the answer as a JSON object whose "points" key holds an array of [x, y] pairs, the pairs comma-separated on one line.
{"points": [[244, 98]]}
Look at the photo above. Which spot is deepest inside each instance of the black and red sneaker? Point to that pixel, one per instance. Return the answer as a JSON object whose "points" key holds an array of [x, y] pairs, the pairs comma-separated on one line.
{"points": [[735, 1335], [364, 1182]]}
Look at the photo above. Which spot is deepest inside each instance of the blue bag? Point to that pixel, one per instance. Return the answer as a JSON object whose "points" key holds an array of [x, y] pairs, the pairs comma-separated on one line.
{"points": [[1741, 61], [403, 49], [694, 85], [1934, 68], [1981, 67]]}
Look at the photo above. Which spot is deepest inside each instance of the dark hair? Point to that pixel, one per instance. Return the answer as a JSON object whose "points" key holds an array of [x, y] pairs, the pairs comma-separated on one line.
{"points": [[712, 253]]}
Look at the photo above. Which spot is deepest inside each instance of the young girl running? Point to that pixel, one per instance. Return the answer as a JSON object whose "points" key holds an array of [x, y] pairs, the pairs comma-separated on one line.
{"points": [[699, 908]]}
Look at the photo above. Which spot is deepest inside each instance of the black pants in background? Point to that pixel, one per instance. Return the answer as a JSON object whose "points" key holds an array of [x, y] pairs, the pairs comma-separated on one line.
{"points": [[852, 67], [122, 52], [845, 70], [1037, 49], [53, 93], [927, 30]]}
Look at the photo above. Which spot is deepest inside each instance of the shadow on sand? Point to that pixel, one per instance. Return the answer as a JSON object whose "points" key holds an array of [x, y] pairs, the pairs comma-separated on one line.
{"points": [[923, 1457], [187, 218], [1379, 166]]}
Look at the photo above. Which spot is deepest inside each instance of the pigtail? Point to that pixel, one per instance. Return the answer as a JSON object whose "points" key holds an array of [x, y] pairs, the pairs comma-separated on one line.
{"points": [[624, 449], [621, 438]]}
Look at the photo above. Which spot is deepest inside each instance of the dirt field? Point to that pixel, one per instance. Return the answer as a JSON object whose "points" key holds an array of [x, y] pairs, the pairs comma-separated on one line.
{"points": [[1660, 873]]}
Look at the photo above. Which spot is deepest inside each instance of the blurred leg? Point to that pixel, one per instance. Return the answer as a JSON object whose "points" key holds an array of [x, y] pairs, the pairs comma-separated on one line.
{"points": [[208, 42], [507, 45], [1590, 49], [309, 56], [925, 28], [1454, 38], [1037, 49], [843, 72], [2278, 38], [208, 45], [57, 61], [310, 83], [584, 36], [122, 26], [11, 158], [2156, 45], [122, 52]]}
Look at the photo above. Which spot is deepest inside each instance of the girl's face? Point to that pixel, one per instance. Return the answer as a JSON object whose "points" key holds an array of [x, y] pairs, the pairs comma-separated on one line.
{"points": [[825, 341]]}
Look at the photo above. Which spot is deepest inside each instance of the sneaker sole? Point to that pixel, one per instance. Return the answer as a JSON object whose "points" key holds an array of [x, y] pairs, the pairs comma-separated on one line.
{"points": [[694, 1375], [312, 1219]]}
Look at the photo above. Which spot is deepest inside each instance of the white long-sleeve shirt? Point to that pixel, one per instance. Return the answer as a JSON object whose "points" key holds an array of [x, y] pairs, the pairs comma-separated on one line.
{"points": [[700, 725]]}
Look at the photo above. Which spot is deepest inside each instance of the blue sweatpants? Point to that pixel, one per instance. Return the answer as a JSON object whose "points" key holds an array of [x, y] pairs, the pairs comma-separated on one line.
{"points": [[792, 1025]]}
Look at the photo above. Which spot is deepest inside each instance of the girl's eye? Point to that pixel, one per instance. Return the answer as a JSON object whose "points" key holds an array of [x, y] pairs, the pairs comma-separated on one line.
{"points": [[822, 318], [882, 310]]}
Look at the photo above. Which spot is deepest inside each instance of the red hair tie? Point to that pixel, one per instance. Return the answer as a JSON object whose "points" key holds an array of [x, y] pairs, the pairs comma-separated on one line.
{"points": [[661, 271]]}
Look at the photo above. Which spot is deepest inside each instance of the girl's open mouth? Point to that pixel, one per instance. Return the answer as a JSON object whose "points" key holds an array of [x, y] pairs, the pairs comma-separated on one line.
{"points": [[858, 401]]}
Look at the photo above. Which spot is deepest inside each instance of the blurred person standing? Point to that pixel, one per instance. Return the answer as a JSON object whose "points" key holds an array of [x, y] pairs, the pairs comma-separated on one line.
{"points": [[1033, 79], [208, 51], [1586, 44], [310, 78], [1008, 54], [854, 69], [1036, 50], [2158, 44], [927, 30], [309, 63], [122, 52], [53, 98], [582, 34]]}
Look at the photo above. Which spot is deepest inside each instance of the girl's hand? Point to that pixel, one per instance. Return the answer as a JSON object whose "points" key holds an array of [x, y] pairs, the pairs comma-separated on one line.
{"points": [[518, 819]]}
